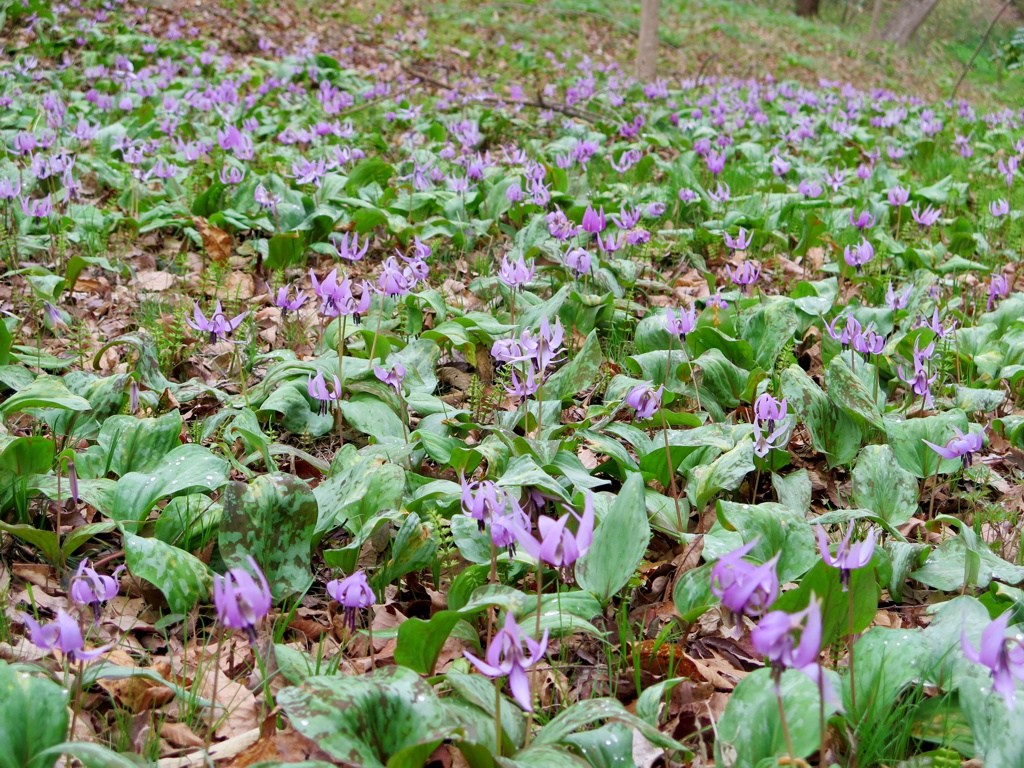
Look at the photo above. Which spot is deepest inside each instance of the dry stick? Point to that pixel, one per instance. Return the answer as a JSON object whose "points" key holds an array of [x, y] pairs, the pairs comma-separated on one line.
{"points": [[981, 45]]}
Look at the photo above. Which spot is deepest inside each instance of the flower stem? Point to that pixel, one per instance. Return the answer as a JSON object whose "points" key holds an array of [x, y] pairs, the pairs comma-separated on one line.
{"points": [[216, 680], [341, 393], [497, 716], [782, 716], [671, 474], [376, 333], [821, 717], [849, 646]]}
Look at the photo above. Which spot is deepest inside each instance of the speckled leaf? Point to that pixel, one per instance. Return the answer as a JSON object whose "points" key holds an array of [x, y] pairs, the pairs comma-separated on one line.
{"points": [[390, 718], [44, 392], [883, 486], [578, 374], [272, 519], [183, 578], [846, 389], [770, 328], [723, 474], [777, 529], [354, 494], [34, 714], [833, 431], [584, 713], [186, 467], [128, 444]]}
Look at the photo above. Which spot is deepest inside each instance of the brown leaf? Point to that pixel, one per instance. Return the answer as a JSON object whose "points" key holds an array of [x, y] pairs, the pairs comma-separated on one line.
{"points": [[180, 735], [284, 747], [216, 241], [154, 280]]}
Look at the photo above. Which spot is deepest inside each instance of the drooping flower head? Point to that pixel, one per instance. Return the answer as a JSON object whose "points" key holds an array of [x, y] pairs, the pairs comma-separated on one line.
{"points": [[515, 274], [645, 400], [282, 302], [317, 388], [849, 556], [63, 634], [961, 446], [742, 586], [741, 242], [746, 274], [682, 323], [240, 600], [218, 326], [792, 640], [1004, 656], [393, 377], [594, 221], [90, 588], [897, 301], [506, 656], [353, 593], [579, 261], [859, 255], [998, 287], [558, 546]]}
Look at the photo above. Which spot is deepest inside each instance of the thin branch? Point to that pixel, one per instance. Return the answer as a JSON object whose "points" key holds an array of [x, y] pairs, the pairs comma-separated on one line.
{"points": [[981, 45]]}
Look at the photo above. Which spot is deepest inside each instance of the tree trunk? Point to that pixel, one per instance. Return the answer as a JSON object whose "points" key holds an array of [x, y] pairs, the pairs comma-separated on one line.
{"points": [[876, 15], [906, 20], [647, 44], [807, 7]]}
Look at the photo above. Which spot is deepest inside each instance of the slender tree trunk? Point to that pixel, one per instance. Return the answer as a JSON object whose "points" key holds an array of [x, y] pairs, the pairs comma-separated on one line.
{"points": [[876, 15], [906, 20], [807, 7], [647, 44]]}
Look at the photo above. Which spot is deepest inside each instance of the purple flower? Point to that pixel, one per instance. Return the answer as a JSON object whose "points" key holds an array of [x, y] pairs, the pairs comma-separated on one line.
{"points": [[844, 337], [349, 249], [353, 593], [515, 274], [558, 546], [655, 210], [611, 243], [746, 274], [560, 227], [715, 162], [998, 287], [218, 326], [687, 195], [780, 167], [809, 188], [681, 324], [792, 641], [645, 400], [63, 634], [960, 446], [721, 194], [282, 301], [9, 188], [927, 217], [317, 388], [767, 408], [393, 378], [265, 198], [999, 208], [741, 242], [543, 348], [868, 342], [864, 220], [1003, 655], [899, 196], [523, 387], [742, 586], [230, 175], [627, 219], [936, 326], [919, 383], [239, 600], [848, 557], [593, 222], [835, 180], [859, 255], [766, 438], [92, 589], [73, 475], [895, 301], [393, 280], [483, 501], [506, 656]]}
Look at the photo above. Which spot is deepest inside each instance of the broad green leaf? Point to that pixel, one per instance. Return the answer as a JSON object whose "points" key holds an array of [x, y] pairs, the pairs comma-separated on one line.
{"points": [[44, 392], [769, 328], [372, 417], [271, 519], [578, 716], [725, 473], [906, 437], [847, 390], [33, 714], [183, 578], [478, 690], [26, 456], [883, 486], [189, 466], [750, 730], [389, 718], [778, 529], [89, 754], [412, 550], [833, 431], [620, 541]]}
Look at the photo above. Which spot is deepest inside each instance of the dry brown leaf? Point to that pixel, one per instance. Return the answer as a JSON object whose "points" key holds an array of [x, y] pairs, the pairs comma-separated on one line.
{"points": [[235, 700], [154, 280], [180, 735], [284, 747], [216, 241], [237, 286]]}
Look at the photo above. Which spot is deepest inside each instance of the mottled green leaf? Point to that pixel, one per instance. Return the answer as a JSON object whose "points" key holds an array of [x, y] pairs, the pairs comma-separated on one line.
{"points": [[778, 529], [584, 713], [906, 436], [271, 519], [187, 467], [44, 392], [833, 431], [390, 718], [883, 486], [34, 716], [183, 578], [620, 541], [846, 389], [725, 473]]}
